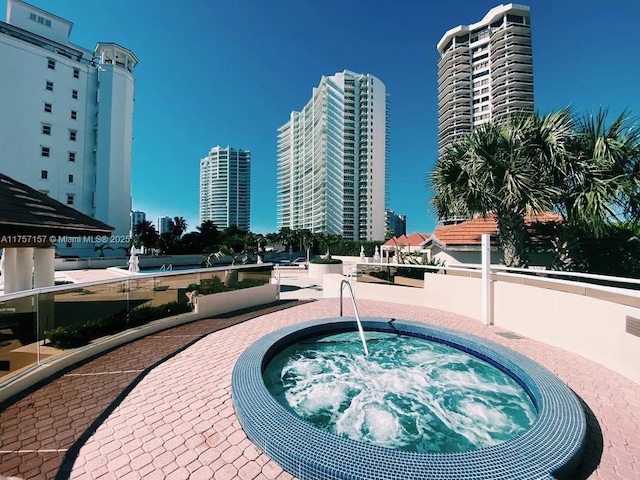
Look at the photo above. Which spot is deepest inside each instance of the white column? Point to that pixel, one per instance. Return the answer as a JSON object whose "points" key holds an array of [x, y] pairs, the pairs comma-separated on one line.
{"points": [[9, 270], [24, 268], [44, 267], [486, 280]]}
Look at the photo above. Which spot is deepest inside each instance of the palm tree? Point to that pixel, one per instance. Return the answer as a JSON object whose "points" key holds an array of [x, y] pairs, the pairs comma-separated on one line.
{"points": [[146, 233], [500, 169], [286, 237], [177, 226], [599, 184], [209, 236], [602, 186]]}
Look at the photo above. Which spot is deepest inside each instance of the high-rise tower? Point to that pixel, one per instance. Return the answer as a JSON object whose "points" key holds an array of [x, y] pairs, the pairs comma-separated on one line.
{"points": [[485, 72], [225, 182], [332, 160]]}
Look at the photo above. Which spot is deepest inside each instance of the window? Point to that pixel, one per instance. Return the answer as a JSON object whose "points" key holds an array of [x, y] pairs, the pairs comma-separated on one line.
{"points": [[48, 107], [72, 156], [41, 20], [76, 73], [51, 64], [70, 178], [74, 94], [45, 151], [46, 129], [50, 86], [44, 174], [72, 135], [74, 115], [69, 199]]}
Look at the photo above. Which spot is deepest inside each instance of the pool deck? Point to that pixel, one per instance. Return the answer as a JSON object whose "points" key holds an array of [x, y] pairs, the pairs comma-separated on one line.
{"points": [[160, 407]]}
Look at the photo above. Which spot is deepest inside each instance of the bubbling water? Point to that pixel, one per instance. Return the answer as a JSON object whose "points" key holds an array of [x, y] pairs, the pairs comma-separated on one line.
{"points": [[409, 393]]}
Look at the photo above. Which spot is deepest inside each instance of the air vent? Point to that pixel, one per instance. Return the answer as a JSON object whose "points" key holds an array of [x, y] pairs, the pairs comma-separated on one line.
{"points": [[632, 326]]}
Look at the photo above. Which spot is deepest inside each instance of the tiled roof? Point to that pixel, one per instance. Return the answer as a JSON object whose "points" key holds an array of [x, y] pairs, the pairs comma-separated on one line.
{"points": [[470, 231], [414, 240], [26, 210]]}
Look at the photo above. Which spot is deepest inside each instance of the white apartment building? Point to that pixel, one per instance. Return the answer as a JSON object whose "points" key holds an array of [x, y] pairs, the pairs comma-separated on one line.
{"points": [[66, 122], [163, 224], [332, 160], [485, 72], [225, 187]]}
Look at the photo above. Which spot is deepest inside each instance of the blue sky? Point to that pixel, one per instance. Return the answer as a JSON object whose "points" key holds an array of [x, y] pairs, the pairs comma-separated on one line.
{"points": [[229, 72]]}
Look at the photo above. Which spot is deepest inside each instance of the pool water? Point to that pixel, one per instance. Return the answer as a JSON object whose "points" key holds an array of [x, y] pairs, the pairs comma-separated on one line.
{"points": [[409, 394]]}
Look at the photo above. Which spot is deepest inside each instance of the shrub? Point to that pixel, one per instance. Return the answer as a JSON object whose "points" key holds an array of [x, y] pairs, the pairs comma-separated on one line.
{"points": [[213, 285], [79, 334], [326, 261]]}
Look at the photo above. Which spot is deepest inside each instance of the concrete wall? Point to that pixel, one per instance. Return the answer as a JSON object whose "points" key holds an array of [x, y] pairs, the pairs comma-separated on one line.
{"points": [[574, 321], [210, 305], [318, 270]]}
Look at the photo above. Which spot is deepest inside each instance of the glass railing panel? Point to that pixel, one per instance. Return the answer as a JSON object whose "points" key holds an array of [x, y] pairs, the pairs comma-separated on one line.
{"points": [[39, 326], [85, 313], [221, 280], [405, 275], [161, 296], [18, 335]]}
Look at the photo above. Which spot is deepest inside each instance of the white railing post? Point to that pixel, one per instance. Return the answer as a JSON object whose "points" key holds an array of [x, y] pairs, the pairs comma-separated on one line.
{"points": [[278, 282], [486, 280]]}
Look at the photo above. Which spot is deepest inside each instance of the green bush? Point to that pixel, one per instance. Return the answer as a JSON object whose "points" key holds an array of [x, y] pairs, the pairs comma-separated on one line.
{"points": [[326, 261], [213, 285], [79, 334]]}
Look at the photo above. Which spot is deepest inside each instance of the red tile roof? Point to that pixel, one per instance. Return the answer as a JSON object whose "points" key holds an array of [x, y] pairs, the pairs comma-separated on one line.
{"points": [[415, 239], [470, 231]]}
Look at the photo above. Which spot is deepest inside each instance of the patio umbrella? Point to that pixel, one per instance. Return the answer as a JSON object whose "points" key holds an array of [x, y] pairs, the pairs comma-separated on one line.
{"points": [[133, 260], [362, 253]]}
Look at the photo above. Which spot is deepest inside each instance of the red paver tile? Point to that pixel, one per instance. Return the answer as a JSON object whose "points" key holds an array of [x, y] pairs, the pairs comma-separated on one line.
{"points": [[178, 419]]}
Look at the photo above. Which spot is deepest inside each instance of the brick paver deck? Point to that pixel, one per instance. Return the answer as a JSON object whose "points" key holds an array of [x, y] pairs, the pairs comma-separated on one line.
{"points": [[161, 407]]}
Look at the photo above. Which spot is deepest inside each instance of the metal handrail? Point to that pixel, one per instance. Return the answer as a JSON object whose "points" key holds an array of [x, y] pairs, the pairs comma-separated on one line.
{"points": [[355, 310]]}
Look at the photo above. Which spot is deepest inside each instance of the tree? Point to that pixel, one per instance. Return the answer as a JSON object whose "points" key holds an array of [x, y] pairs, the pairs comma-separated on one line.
{"points": [[599, 184], [330, 241], [209, 236], [146, 234], [500, 169], [168, 244], [236, 245], [286, 236], [177, 226], [600, 181]]}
